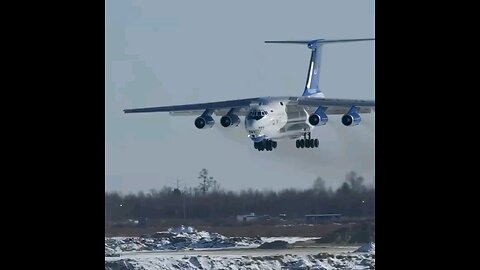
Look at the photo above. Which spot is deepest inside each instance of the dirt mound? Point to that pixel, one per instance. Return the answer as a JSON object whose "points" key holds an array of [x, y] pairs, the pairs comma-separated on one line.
{"points": [[274, 245], [370, 248], [358, 233]]}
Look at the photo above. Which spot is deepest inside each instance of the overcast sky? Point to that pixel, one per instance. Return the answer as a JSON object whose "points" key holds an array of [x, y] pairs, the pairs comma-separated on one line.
{"points": [[176, 52]]}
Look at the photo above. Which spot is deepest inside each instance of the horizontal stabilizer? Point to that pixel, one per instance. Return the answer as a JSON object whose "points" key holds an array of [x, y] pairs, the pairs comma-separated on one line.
{"points": [[317, 41]]}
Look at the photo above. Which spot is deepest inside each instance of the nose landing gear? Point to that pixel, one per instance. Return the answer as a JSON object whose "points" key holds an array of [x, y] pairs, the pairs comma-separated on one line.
{"points": [[307, 142]]}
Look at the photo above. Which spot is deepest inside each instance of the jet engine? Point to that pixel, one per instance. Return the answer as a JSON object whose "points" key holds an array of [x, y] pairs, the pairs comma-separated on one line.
{"points": [[351, 119], [204, 121], [318, 118], [230, 120]]}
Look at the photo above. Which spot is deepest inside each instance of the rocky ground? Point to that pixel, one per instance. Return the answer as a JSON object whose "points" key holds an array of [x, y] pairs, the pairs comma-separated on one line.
{"points": [[185, 238], [318, 261], [176, 239]]}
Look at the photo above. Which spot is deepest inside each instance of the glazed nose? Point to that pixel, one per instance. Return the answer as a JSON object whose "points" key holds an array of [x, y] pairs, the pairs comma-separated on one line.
{"points": [[253, 124]]}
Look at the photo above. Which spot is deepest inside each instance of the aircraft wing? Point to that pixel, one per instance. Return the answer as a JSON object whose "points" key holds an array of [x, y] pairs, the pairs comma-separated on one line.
{"points": [[334, 106], [219, 108]]}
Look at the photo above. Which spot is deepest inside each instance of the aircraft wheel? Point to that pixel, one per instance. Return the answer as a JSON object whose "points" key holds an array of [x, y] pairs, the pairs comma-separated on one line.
{"points": [[317, 143], [274, 144], [302, 143], [308, 143]]}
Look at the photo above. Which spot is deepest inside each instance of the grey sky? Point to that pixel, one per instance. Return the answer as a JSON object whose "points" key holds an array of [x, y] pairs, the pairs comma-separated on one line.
{"points": [[176, 52]]}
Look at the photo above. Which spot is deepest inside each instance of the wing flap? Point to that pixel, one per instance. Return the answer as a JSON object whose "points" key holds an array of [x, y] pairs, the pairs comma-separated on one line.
{"points": [[309, 101], [190, 109], [344, 110], [334, 106], [218, 112]]}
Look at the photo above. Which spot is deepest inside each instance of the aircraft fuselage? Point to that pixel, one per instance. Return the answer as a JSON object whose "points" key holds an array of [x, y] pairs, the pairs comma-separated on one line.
{"points": [[273, 120]]}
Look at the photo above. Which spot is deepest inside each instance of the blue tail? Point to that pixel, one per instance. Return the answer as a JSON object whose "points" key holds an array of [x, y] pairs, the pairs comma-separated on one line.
{"points": [[312, 86], [313, 76]]}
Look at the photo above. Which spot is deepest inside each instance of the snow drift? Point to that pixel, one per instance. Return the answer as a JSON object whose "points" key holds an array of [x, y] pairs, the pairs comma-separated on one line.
{"points": [[176, 239], [369, 248], [319, 261]]}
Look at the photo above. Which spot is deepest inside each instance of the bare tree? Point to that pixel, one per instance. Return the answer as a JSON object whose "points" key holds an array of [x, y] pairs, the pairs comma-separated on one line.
{"points": [[206, 181]]}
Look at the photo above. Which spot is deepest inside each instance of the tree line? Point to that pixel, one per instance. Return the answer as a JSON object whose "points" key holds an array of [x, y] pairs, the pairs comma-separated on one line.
{"points": [[209, 201]]}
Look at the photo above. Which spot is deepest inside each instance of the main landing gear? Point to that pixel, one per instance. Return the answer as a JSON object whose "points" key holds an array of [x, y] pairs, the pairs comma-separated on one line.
{"points": [[268, 145], [307, 142]]}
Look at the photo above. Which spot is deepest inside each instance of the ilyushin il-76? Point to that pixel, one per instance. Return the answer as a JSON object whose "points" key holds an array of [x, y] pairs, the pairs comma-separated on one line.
{"points": [[269, 119]]}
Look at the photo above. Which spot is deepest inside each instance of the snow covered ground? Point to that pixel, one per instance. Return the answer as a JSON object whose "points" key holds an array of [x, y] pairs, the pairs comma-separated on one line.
{"points": [[176, 239], [368, 248], [318, 261], [188, 238], [324, 257], [186, 248]]}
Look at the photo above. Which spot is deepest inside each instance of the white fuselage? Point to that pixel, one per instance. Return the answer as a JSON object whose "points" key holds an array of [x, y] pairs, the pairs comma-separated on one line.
{"points": [[271, 119]]}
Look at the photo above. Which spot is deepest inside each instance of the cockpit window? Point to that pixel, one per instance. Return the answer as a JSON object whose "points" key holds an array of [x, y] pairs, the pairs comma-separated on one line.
{"points": [[257, 115]]}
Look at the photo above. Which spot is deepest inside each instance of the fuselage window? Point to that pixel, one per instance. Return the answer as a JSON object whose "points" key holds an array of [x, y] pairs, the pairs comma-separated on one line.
{"points": [[281, 103]]}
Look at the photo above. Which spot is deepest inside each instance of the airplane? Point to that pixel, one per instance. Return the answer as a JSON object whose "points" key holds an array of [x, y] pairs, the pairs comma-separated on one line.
{"points": [[269, 119]]}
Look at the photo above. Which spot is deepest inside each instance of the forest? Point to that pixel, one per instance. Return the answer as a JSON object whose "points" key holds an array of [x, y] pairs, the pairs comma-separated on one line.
{"points": [[209, 200]]}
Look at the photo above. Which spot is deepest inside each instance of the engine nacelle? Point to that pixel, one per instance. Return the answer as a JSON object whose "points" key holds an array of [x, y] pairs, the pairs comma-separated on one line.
{"points": [[230, 120], [319, 118], [204, 122], [351, 119]]}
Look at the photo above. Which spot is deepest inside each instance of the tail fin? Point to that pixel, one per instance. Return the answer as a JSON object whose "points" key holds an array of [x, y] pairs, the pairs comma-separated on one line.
{"points": [[312, 86]]}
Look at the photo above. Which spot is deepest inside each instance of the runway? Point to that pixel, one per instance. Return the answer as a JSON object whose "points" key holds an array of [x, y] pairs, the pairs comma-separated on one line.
{"points": [[238, 252]]}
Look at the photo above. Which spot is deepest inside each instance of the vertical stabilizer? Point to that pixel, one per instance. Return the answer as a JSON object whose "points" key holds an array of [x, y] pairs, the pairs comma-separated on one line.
{"points": [[312, 86]]}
